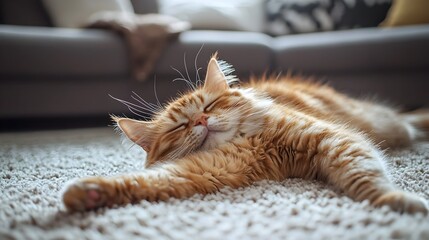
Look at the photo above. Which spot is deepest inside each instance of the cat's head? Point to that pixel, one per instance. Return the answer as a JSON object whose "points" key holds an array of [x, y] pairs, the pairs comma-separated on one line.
{"points": [[203, 119]]}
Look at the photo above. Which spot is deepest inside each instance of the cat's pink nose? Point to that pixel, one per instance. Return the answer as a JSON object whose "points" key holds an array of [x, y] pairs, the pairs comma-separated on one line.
{"points": [[201, 120]]}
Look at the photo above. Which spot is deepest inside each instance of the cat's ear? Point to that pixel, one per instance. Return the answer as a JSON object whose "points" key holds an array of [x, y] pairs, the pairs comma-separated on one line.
{"points": [[137, 131], [215, 79]]}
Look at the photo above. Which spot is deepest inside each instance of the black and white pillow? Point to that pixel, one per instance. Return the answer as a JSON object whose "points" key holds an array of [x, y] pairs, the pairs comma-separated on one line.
{"points": [[301, 16]]}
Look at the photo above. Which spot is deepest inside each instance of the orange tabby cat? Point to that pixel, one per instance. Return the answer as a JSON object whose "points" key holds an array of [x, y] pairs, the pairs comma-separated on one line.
{"points": [[219, 136]]}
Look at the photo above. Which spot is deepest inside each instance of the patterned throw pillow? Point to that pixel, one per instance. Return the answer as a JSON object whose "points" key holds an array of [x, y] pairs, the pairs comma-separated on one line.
{"points": [[301, 16]]}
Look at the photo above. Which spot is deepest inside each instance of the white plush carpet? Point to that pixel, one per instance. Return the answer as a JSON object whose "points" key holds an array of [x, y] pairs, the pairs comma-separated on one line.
{"points": [[35, 166]]}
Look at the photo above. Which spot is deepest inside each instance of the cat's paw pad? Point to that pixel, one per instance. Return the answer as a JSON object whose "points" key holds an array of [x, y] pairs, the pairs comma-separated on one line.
{"points": [[402, 202], [84, 195]]}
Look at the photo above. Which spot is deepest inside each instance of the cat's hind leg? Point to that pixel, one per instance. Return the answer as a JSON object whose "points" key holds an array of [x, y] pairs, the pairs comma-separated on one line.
{"points": [[384, 126], [353, 164]]}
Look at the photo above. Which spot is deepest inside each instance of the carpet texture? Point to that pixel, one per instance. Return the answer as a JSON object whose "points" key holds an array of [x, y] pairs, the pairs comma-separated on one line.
{"points": [[35, 166]]}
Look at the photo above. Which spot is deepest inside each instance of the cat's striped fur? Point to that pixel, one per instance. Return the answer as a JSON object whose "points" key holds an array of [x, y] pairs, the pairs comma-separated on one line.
{"points": [[220, 136]]}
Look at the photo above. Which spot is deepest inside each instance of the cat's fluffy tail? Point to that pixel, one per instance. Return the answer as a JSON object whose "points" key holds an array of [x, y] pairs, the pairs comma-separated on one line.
{"points": [[420, 120]]}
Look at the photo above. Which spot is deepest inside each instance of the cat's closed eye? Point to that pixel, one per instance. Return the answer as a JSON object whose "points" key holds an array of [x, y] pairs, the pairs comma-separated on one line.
{"points": [[210, 106], [179, 127]]}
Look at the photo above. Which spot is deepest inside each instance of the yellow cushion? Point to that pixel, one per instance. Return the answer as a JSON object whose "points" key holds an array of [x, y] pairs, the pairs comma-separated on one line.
{"points": [[407, 12]]}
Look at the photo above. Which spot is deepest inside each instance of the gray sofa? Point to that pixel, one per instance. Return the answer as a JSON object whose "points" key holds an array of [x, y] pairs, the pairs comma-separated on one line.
{"points": [[53, 72]]}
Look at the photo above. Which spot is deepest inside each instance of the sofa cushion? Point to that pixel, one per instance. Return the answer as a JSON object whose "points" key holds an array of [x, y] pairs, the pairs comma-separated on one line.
{"points": [[46, 51], [369, 49], [248, 52]]}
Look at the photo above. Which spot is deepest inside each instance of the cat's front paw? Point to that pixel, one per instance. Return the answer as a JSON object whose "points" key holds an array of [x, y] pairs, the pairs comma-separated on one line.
{"points": [[86, 194], [402, 202]]}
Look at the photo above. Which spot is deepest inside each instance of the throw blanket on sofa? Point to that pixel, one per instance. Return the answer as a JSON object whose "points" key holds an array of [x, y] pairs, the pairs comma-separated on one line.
{"points": [[146, 36]]}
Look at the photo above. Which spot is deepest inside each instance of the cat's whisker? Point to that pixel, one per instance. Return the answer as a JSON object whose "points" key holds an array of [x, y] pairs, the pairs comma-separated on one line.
{"points": [[278, 75], [156, 94], [132, 104], [197, 75], [140, 110], [185, 151], [136, 110], [199, 82], [179, 151], [144, 102], [183, 78], [148, 107], [187, 73], [137, 114], [180, 73]]}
